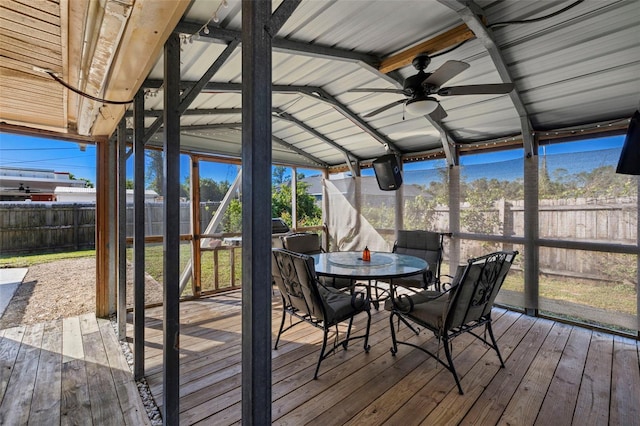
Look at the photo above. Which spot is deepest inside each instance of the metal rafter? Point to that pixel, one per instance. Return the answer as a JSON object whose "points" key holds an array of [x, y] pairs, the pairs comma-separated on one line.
{"points": [[470, 13], [197, 111], [278, 113], [217, 35], [280, 16], [194, 90], [320, 94], [316, 93], [297, 150]]}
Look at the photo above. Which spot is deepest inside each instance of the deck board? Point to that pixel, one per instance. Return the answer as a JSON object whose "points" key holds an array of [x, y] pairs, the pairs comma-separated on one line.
{"points": [[67, 372], [625, 391], [592, 407], [560, 400], [546, 365], [72, 371], [45, 406]]}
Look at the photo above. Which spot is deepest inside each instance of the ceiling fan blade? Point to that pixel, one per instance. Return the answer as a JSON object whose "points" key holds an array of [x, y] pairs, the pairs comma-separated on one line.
{"points": [[372, 90], [438, 114], [446, 72], [477, 89], [384, 108]]}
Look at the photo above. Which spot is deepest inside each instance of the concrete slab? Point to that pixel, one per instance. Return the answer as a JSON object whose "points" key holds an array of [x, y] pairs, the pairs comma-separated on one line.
{"points": [[10, 279]]}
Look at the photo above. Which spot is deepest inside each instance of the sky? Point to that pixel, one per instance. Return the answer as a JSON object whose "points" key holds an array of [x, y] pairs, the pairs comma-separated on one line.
{"points": [[45, 154], [60, 156]]}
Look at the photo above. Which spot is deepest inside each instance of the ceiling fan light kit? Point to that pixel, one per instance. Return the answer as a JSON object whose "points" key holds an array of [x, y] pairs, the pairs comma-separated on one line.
{"points": [[421, 106], [419, 88]]}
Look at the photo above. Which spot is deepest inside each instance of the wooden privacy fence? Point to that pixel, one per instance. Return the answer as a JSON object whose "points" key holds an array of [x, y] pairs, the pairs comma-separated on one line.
{"points": [[40, 227], [52, 226]]}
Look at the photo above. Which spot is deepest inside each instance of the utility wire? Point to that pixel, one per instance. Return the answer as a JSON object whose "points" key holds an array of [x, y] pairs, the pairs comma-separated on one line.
{"points": [[542, 18], [86, 95], [505, 23]]}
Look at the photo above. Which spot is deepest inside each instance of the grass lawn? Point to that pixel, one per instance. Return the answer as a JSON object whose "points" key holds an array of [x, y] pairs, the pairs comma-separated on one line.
{"points": [[24, 261], [616, 297], [154, 265]]}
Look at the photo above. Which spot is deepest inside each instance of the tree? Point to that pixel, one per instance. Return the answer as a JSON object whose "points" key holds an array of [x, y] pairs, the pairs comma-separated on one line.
{"points": [[232, 221], [155, 171], [87, 182], [210, 190], [309, 214], [129, 184]]}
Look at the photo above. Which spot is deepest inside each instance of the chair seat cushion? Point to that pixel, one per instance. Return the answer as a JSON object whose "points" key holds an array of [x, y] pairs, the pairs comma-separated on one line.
{"points": [[431, 313], [413, 281], [339, 283], [341, 305], [407, 303]]}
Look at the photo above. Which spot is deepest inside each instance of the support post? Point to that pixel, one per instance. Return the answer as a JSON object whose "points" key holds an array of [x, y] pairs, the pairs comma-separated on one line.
{"points": [[122, 230], [294, 198], [638, 261], [326, 243], [112, 217], [195, 264], [399, 205], [171, 240], [256, 213], [102, 229], [531, 254], [106, 234], [138, 236], [454, 217]]}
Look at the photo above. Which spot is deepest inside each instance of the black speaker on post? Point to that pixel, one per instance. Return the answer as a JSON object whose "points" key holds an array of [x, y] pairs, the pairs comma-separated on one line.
{"points": [[629, 162], [387, 172]]}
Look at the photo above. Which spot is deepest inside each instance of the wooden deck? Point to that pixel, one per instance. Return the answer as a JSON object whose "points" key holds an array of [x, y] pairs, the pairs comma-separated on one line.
{"points": [[555, 374], [70, 371]]}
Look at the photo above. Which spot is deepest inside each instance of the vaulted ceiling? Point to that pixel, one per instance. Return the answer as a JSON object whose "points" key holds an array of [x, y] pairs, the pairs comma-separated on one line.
{"points": [[574, 66]]}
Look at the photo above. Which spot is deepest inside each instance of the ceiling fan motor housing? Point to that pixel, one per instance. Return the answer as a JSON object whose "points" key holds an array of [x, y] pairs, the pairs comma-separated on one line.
{"points": [[413, 85], [421, 61]]}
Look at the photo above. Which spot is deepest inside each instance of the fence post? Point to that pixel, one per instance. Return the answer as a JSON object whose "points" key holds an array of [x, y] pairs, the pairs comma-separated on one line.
{"points": [[76, 227]]}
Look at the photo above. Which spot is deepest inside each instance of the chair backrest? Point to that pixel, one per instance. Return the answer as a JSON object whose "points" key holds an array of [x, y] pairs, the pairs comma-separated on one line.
{"points": [[296, 280], [306, 243], [426, 245], [473, 297]]}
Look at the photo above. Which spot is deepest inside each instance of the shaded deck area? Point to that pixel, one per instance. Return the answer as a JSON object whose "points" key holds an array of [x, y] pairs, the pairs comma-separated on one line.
{"points": [[72, 371], [555, 374]]}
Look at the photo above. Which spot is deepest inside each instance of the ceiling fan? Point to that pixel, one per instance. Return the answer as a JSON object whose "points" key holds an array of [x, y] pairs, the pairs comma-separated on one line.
{"points": [[420, 88]]}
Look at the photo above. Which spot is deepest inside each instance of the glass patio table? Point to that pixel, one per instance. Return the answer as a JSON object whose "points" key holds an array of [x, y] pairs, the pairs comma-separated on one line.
{"points": [[382, 266]]}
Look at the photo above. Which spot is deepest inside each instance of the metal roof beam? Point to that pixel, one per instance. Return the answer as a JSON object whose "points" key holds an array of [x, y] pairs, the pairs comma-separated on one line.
{"points": [[311, 91], [320, 94], [194, 90], [238, 126], [278, 113], [299, 151], [282, 45], [469, 12], [450, 155], [280, 16], [198, 111]]}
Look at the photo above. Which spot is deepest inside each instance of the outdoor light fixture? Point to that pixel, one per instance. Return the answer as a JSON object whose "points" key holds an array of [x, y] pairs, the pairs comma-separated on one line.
{"points": [[421, 106]]}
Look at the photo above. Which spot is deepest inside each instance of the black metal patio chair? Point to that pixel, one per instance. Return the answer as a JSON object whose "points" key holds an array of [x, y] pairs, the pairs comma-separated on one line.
{"points": [[465, 306], [305, 298], [309, 243], [427, 245]]}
